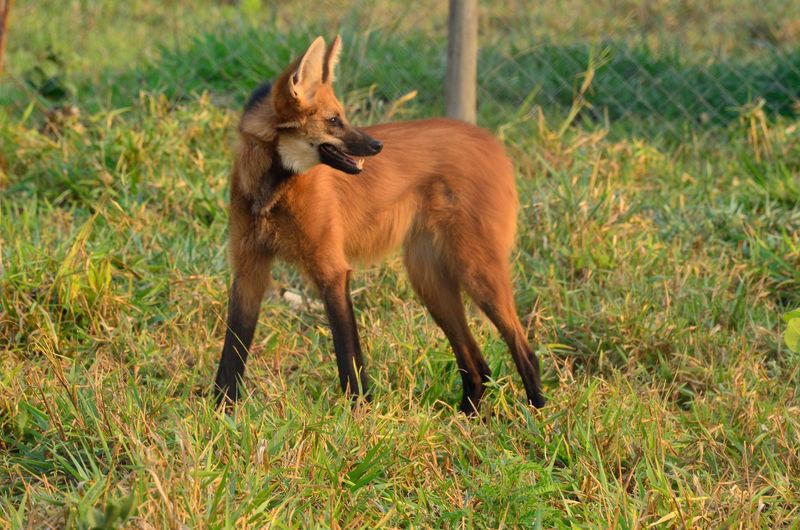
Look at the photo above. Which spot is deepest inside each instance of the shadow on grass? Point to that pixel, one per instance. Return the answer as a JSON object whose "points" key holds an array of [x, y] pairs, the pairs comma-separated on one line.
{"points": [[632, 87], [230, 65]]}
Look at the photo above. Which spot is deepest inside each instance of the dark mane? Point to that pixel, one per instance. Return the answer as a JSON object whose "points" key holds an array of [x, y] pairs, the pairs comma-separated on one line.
{"points": [[258, 95]]}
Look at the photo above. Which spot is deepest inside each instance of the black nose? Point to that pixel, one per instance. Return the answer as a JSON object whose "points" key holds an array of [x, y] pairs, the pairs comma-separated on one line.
{"points": [[376, 146]]}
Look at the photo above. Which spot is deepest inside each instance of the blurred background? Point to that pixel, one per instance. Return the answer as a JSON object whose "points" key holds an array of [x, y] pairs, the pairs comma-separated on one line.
{"points": [[659, 67]]}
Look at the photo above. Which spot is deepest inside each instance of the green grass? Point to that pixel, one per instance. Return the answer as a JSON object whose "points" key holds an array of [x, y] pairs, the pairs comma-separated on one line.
{"points": [[653, 267]]}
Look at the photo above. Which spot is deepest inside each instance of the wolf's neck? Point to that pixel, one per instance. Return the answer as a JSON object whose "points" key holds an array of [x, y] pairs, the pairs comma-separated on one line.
{"points": [[277, 171], [272, 184]]}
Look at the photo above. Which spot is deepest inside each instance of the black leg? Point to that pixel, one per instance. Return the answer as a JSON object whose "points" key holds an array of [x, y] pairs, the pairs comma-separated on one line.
{"points": [[524, 358], [439, 290], [243, 307], [339, 307], [490, 287]]}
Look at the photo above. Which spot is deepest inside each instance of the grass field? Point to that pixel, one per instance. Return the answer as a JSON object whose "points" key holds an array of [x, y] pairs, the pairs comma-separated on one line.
{"points": [[652, 271]]}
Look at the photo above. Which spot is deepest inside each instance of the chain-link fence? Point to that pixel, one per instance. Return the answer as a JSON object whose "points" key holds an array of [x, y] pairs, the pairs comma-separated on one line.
{"points": [[661, 67], [649, 68]]}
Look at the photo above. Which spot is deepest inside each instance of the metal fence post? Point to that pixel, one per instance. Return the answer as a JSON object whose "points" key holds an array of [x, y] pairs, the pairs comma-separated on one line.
{"points": [[462, 59]]}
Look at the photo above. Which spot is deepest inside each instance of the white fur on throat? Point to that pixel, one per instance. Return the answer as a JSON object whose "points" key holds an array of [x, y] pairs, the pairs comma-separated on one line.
{"points": [[297, 154]]}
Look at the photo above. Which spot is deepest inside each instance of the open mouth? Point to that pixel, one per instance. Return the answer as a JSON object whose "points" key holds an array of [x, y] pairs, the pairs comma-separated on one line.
{"points": [[336, 158]]}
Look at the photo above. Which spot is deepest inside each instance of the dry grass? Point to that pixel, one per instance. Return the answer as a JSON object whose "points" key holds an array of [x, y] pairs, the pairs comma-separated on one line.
{"points": [[652, 274]]}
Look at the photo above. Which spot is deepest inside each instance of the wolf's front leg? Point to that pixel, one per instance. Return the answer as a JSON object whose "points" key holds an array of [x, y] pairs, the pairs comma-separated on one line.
{"points": [[336, 297], [249, 285]]}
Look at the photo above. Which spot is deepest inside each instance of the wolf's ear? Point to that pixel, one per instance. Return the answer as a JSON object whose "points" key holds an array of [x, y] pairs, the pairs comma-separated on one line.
{"points": [[308, 76], [331, 60]]}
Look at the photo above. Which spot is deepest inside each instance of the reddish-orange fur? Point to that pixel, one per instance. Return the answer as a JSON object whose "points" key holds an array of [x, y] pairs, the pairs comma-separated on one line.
{"points": [[442, 189]]}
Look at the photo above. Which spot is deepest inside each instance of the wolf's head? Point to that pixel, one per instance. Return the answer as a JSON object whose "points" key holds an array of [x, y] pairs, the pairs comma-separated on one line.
{"points": [[307, 120]]}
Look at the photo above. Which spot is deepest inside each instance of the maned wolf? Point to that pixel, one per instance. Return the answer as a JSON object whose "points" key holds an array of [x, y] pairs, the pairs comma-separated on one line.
{"points": [[301, 191]]}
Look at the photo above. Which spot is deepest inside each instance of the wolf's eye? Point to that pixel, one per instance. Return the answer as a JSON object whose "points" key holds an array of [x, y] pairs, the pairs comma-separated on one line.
{"points": [[335, 121]]}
